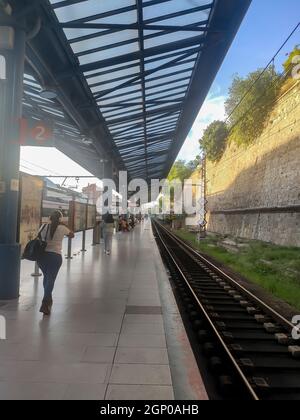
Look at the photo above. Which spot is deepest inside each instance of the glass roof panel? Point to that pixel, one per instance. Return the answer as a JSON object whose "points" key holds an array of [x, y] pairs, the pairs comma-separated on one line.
{"points": [[118, 74], [168, 80], [169, 90], [90, 8], [168, 38], [121, 111], [108, 85], [108, 53], [104, 40], [74, 33], [118, 128], [111, 69], [175, 6], [128, 90], [133, 87], [121, 18], [109, 100]]}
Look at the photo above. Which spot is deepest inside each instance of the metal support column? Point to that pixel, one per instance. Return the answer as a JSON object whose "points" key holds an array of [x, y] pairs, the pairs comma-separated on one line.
{"points": [[204, 175], [203, 214], [36, 272], [12, 54], [83, 241], [69, 254]]}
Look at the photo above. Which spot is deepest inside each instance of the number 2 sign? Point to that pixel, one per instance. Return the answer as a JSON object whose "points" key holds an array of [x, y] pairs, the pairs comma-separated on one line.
{"points": [[40, 133], [34, 133]]}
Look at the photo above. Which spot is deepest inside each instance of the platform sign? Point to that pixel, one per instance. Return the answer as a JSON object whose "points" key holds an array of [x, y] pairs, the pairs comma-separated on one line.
{"points": [[36, 133], [31, 198], [78, 216], [91, 216]]}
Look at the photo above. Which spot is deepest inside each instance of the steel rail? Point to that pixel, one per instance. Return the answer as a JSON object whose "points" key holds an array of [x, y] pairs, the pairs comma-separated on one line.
{"points": [[185, 260]]}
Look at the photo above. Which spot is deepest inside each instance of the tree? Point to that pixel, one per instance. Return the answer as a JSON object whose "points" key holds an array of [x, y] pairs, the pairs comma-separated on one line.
{"points": [[193, 164], [250, 102], [182, 170], [289, 63], [213, 141]]}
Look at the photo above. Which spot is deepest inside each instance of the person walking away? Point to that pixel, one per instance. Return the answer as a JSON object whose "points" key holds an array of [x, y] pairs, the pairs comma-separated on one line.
{"points": [[119, 225], [51, 261], [125, 226], [132, 221], [102, 231], [109, 227]]}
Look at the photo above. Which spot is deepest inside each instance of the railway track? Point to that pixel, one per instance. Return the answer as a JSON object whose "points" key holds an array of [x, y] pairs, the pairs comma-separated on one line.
{"points": [[249, 345]]}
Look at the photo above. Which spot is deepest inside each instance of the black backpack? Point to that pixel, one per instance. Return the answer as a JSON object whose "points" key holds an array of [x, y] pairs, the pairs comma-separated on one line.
{"points": [[35, 249]]}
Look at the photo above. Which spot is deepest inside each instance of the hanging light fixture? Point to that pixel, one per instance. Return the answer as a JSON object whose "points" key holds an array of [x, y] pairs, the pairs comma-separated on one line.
{"points": [[86, 140], [48, 93]]}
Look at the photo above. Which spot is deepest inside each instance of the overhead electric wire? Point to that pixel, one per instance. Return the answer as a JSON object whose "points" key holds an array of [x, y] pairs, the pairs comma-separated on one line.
{"points": [[41, 167], [276, 80], [263, 71]]}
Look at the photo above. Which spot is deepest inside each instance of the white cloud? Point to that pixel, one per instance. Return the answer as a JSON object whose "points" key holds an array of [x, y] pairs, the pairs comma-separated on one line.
{"points": [[212, 109], [50, 161]]}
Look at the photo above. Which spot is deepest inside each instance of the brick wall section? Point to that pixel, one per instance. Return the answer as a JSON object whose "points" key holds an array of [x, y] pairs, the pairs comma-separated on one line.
{"points": [[266, 174]]}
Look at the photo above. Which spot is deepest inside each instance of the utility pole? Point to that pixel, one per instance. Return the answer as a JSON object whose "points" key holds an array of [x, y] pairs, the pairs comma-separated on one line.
{"points": [[203, 202]]}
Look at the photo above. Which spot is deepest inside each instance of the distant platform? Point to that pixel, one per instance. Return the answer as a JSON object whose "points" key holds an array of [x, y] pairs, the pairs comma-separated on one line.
{"points": [[115, 332]]}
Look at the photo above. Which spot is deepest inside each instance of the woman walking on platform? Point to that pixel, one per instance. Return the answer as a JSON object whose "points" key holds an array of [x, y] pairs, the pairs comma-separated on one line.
{"points": [[51, 261]]}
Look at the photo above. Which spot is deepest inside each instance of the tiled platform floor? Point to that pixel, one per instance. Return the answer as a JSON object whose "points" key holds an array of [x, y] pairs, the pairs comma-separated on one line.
{"points": [[114, 334]]}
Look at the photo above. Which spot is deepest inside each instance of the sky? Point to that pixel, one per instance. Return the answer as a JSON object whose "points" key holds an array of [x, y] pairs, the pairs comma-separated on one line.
{"points": [[50, 161], [264, 29]]}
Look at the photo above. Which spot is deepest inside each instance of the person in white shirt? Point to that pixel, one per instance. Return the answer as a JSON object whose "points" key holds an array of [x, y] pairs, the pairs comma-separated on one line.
{"points": [[51, 261]]}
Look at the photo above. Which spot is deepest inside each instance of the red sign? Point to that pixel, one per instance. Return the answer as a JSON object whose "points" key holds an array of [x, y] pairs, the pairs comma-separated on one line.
{"points": [[35, 133]]}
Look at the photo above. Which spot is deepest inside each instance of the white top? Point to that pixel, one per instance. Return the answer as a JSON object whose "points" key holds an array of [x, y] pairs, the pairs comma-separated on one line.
{"points": [[55, 244]]}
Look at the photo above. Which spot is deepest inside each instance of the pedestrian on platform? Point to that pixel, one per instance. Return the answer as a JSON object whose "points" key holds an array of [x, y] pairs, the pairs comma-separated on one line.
{"points": [[51, 260], [102, 231], [108, 231], [119, 225], [124, 225], [132, 221]]}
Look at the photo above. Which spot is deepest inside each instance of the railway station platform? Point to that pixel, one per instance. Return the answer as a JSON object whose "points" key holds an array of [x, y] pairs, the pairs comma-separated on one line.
{"points": [[115, 332]]}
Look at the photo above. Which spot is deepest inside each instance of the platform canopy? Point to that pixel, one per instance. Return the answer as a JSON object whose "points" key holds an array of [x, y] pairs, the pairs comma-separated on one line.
{"points": [[130, 75]]}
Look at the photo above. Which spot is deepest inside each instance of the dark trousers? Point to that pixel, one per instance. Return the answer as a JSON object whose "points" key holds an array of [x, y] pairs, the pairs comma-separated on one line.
{"points": [[50, 264]]}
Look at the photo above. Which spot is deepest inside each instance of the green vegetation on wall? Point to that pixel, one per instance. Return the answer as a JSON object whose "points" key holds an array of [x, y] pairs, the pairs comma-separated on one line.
{"points": [[288, 65], [250, 102], [213, 142], [183, 170], [248, 106]]}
